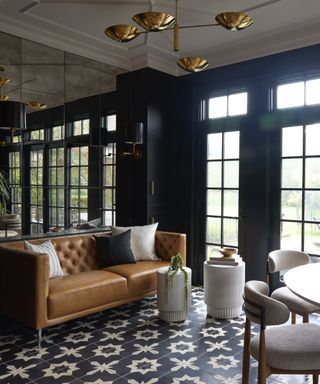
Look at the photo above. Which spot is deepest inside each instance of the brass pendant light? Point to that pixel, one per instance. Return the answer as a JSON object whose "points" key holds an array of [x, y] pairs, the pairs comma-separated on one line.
{"points": [[160, 21], [36, 106]]}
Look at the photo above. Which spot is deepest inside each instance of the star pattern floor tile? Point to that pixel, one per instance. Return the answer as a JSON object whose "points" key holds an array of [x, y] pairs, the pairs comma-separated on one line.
{"points": [[129, 344]]}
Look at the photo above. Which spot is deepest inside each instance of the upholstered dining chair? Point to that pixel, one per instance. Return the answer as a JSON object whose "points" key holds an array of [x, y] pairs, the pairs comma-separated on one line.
{"points": [[280, 260], [282, 349]]}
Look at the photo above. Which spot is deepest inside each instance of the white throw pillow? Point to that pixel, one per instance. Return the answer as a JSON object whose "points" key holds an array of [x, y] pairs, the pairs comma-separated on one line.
{"points": [[143, 240], [55, 269]]}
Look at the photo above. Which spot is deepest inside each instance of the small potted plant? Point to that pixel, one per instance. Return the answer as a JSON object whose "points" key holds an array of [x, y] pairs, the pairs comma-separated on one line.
{"points": [[176, 265]]}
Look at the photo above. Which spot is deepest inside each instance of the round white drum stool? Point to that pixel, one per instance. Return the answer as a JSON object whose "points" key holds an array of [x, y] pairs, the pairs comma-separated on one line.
{"points": [[223, 289], [172, 301]]}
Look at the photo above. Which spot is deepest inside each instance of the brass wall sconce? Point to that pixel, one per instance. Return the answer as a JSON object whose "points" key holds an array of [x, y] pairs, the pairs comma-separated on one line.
{"points": [[133, 135], [160, 21]]}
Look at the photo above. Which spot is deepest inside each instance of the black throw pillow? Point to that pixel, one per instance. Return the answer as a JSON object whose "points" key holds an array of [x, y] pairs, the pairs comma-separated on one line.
{"points": [[114, 250]]}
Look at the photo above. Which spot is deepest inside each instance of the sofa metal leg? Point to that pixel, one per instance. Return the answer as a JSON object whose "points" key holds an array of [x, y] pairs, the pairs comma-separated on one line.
{"points": [[39, 337]]}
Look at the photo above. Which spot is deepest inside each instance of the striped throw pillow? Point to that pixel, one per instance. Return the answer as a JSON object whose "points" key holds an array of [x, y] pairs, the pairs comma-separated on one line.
{"points": [[55, 269]]}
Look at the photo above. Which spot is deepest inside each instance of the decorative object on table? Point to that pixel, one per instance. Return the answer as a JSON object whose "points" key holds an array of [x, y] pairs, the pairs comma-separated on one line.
{"points": [[229, 257], [223, 288], [227, 251], [173, 290]]}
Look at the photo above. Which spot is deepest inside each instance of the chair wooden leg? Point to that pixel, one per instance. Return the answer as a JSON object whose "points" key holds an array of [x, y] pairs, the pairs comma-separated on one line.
{"points": [[246, 354], [293, 318], [315, 379], [305, 318], [262, 372]]}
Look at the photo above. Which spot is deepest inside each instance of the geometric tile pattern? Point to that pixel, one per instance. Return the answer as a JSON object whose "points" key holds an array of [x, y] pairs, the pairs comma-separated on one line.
{"points": [[129, 344]]}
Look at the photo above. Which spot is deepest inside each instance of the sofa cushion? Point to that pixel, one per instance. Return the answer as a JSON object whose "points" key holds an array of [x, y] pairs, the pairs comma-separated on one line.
{"points": [[114, 250], [47, 247], [142, 240], [78, 292], [141, 277]]}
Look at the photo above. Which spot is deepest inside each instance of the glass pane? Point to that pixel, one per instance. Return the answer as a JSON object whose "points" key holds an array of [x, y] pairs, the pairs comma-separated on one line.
{"points": [[33, 176], [74, 197], [231, 203], [231, 174], [107, 176], [231, 145], [84, 176], [312, 139], [214, 174], [83, 198], [75, 178], [83, 216], [214, 202], [107, 217], [290, 95], [52, 216], [84, 156], [291, 204], [213, 230], [74, 156], [312, 238], [238, 104], [77, 128], [218, 107], [52, 176], [230, 232], [85, 126], [60, 213], [313, 92], [60, 176], [60, 197], [34, 196], [74, 216], [52, 197], [107, 198], [291, 173], [290, 235], [292, 141], [60, 157], [312, 206], [212, 250], [214, 146], [111, 122], [312, 173]]}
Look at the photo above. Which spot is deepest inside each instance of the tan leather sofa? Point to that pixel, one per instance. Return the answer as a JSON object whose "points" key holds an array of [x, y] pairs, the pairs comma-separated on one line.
{"points": [[28, 295]]}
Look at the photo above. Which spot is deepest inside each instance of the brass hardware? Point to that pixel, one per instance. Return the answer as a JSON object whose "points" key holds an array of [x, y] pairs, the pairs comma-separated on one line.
{"points": [[151, 188], [154, 21], [159, 21], [122, 32], [234, 21], [192, 64], [4, 81], [36, 106], [135, 153]]}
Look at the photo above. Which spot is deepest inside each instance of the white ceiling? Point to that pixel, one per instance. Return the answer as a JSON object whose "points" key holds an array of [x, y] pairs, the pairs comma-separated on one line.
{"points": [[77, 26]]}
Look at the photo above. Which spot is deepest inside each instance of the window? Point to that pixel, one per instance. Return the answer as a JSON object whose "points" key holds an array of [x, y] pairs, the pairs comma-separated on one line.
{"points": [[78, 172], [228, 105], [56, 187], [300, 188], [57, 132], [109, 122], [37, 134], [109, 184], [14, 182], [80, 127], [222, 190], [36, 190], [16, 139], [298, 94]]}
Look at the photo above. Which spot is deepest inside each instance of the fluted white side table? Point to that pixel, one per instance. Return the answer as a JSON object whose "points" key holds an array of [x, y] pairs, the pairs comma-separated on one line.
{"points": [[223, 289], [172, 302]]}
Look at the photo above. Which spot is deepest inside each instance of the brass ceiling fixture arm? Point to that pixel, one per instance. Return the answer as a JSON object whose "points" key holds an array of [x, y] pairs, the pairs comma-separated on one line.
{"points": [[159, 21]]}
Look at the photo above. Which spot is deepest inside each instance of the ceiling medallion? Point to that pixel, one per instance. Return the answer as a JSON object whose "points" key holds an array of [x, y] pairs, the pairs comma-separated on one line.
{"points": [[154, 21], [36, 106], [234, 21], [160, 21], [122, 32], [192, 64]]}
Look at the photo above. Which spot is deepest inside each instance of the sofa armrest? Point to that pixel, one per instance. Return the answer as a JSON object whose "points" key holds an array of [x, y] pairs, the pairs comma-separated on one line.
{"points": [[169, 244], [24, 285]]}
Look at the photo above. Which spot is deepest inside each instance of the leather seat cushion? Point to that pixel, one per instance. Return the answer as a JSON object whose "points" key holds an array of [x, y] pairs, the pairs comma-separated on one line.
{"points": [[293, 302], [141, 276], [74, 293], [291, 347]]}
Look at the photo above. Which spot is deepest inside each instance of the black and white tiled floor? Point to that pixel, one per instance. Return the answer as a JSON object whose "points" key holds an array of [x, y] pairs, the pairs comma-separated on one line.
{"points": [[129, 344]]}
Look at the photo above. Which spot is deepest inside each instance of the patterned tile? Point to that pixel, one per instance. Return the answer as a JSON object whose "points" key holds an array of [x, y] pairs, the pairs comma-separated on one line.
{"points": [[129, 344]]}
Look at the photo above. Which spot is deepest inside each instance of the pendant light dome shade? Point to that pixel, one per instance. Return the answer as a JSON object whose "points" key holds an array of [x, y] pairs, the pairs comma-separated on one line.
{"points": [[133, 133], [12, 115]]}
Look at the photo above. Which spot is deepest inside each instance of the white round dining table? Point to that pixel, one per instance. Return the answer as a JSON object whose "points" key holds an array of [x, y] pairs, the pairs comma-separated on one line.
{"points": [[304, 281]]}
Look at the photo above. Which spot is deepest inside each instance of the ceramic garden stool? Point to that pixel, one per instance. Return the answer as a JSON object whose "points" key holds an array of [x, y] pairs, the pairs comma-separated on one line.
{"points": [[172, 302], [223, 289]]}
